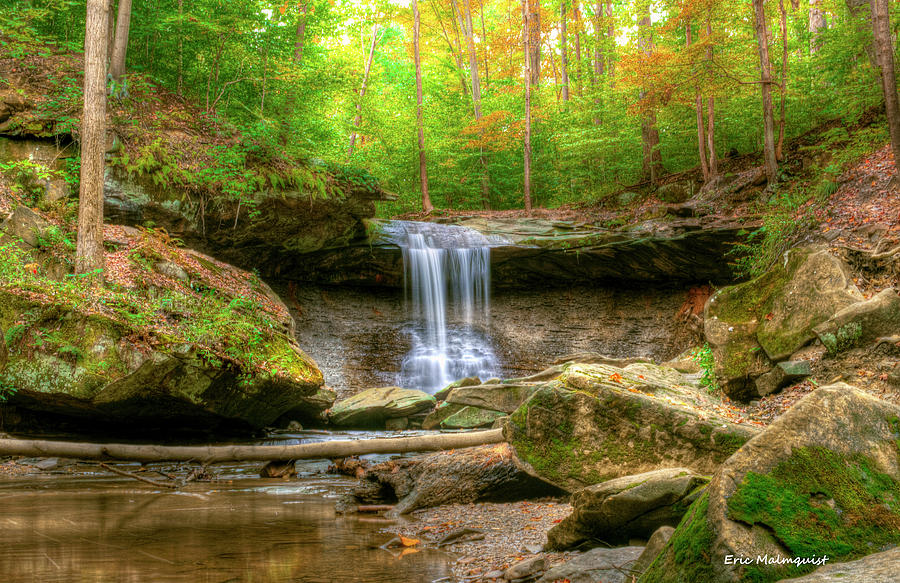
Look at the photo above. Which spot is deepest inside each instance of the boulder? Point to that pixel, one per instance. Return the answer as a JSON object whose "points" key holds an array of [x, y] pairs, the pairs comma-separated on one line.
{"points": [[25, 224], [781, 375], [673, 192], [471, 418], [822, 480], [496, 397], [599, 422], [860, 324], [466, 382], [595, 566], [473, 474], [372, 407], [631, 507], [524, 568], [441, 412], [752, 325], [654, 547], [875, 568]]}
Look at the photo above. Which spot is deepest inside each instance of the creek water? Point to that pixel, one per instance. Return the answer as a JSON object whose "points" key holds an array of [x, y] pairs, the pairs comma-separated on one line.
{"points": [[91, 527], [447, 274]]}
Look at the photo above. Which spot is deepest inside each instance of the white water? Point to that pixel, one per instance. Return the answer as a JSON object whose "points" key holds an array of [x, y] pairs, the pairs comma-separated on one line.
{"points": [[447, 275]]}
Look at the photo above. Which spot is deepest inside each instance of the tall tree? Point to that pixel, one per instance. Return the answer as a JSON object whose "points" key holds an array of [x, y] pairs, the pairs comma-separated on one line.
{"points": [[884, 54], [817, 24], [526, 27], [120, 48], [711, 111], [300, 34], [652, 165], [564, 51], [576, 13], [476, 103], [534, 40], [89, 248], [779, 147], [701, 129], [423, 167], [766, 82], [362, 89]]}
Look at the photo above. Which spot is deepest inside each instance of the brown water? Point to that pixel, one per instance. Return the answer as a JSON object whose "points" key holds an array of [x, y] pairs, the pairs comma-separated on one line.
{"points": [[96, 528]]}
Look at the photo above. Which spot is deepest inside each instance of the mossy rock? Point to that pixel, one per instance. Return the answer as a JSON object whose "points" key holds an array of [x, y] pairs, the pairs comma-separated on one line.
{"points": [[861, 323], [471, 418], [673, 193], [372, 407], [823, 479], [496, 397], [752, 325], [598, 422]]}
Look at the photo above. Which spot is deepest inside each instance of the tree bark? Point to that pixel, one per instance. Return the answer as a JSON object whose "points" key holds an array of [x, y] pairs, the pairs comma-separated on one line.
{"points": [[120, 48], [611, 35], [564, 59], [89, 255], [229, 453], [362, 90], [817, 24], [484, 41], [711, 113], [701, 130], [765, 67], [652, 163], [526, 27], [884, 54], [111, 31], [420, 122], [476, 103], [779, 148], [300, 36], [180, 85], [534, 40], [576, 12]]}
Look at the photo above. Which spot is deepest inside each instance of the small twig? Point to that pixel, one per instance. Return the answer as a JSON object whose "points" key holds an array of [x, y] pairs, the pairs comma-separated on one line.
{"points": [[137, 477]]}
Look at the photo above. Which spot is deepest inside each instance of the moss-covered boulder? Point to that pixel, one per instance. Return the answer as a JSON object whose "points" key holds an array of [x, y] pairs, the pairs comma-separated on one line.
{"points": [[471, 418], [822, 480], [372, 407], [495, 397], [631, 507], [862, 323], [755, 324], [598, 422]]}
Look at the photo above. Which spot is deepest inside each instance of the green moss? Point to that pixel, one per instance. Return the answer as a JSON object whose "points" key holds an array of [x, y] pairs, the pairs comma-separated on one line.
{"points": [[843, 339], [686, 557], [729, 443], [819, 502]]}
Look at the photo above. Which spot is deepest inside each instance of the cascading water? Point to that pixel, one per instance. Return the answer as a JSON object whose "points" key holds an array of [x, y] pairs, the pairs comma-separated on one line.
{"points": [[447, 277]]}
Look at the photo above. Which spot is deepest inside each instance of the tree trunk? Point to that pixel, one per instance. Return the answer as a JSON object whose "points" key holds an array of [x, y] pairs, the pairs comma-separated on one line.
{"points": [[300, 37], [123, 22], [611, 35], [857, 9], [526, 27], [884, 54], [765, 67], [180, 85], [564, 60], [534, 40], [652, 163], [110, 31], [362, 90], [779, 148], [232, 453], [89, 254], [576, 9], [455, 50], [816, 25], [701, 130], [484, 41], [476, 103], [711, 114], [420, 121]]}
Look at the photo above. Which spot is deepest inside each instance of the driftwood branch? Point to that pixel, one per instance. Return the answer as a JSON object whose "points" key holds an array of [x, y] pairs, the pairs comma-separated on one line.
{"points": [[229, 453], [137, 477]]}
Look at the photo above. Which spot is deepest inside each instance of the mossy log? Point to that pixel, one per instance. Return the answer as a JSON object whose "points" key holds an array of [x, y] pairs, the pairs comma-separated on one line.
{"points": [[229, 453]]}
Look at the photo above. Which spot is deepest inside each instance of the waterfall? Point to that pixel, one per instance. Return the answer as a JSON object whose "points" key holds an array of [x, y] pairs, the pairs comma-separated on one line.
{"points": [[447, 275]]}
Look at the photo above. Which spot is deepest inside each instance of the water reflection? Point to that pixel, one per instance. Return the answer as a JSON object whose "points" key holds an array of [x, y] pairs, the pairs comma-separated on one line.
{"points": [[100, 529]]}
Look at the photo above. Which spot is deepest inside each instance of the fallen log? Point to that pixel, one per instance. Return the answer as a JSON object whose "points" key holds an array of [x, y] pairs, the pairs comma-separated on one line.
{"points": [[231, 453]]}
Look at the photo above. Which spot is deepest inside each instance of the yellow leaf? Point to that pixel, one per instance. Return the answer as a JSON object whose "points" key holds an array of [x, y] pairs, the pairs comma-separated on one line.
{"points": [[408, 542]]}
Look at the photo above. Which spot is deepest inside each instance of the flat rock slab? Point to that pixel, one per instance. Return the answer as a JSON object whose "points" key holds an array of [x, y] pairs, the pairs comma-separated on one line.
{"points": [[881, 567], [595, 566], [496, 397], [372, 407]]}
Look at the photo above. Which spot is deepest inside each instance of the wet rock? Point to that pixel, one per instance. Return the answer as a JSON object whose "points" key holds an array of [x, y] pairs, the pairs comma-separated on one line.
{"points": [[495, 397], [860, 324], [278, 469], [466, 382], [471, 418], [654, 547], [524, 568], [475, 474], [752, 325], [441, 412], [598, 422], [833, 455], [875, 568], [631, 507], [372, 407], [595, 566]]}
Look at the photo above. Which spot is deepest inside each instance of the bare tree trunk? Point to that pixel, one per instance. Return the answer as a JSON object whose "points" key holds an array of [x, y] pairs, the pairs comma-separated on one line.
{"points": [[180, 47], [576, 9], [123, 22], [884, 53], [765, 67], [711, 117], [701, 130], [455, 50], [484, 41], [230, 453], [89, 254], [110, 31], [300, 37], [534, 41], [779, 148], [611, 35], [362, 90], [564, 64], [420, 121], [476, 102], [652, 165], [816, 25], [526, 27]]}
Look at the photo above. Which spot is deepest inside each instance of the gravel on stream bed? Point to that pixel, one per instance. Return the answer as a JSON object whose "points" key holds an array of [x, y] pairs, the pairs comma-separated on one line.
{"points": [[513, 532]]}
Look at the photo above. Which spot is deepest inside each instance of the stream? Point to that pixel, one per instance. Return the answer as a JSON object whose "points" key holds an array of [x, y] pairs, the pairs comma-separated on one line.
{"points": [[86, 527]]}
